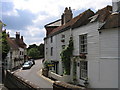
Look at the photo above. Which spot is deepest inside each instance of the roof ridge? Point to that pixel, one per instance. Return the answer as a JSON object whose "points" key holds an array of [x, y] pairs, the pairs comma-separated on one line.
{"points": [[12, 43], [70, 23]]}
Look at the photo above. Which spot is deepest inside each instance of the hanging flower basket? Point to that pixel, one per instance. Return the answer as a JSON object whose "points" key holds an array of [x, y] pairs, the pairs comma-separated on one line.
{"points": [[83, 56]]}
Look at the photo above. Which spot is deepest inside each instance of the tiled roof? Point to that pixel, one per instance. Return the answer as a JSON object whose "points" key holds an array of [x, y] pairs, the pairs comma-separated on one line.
{"points": [[104, 13], [20, 43], [12, 44], [15, 43], [74, 22], [113, 21]]}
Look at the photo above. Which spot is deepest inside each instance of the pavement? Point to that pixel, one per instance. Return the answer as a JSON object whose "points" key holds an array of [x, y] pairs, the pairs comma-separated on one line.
{"points": [[34, 75], [40, 74]]}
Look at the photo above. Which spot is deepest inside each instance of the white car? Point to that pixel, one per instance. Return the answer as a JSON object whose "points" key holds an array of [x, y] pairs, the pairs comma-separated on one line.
{"points": [[27, 65]]}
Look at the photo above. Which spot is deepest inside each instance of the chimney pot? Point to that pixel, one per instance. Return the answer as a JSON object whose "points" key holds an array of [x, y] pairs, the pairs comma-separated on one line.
{"points": [[116, 5], [22, 38], [8, 34], [66, 16], [17, 35]]}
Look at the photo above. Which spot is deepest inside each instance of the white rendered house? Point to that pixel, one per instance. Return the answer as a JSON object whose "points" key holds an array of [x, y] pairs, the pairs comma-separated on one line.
{"points": [[17, 53], [95, 54]]}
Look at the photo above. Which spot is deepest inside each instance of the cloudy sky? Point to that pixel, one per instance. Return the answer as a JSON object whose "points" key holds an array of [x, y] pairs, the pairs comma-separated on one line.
{"points": [[29, 16]]}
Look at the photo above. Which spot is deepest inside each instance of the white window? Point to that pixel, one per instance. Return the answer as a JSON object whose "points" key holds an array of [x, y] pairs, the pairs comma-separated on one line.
{"points": [[83, 70], [20, 52], [51, 39], [51, 51], [63, 36], [63, 46], [83, 43], [46, 50]]}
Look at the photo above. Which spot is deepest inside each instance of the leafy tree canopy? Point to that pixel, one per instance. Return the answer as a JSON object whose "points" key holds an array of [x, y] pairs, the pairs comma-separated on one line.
{"points": [[33, 53], [5, 47], [39, 51], [32, 46]]}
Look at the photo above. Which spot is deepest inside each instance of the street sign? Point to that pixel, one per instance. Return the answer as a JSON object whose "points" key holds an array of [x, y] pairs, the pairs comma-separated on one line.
{"points": [[51, 65]]}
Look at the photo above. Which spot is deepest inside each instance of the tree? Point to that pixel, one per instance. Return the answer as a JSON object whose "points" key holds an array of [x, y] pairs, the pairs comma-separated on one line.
{"points": [[5, 46], [41, 49], [32, 46], [34, 53]]}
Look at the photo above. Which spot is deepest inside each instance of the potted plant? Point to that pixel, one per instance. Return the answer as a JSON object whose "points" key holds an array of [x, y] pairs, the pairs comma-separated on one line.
{"points": [[45, 69]]}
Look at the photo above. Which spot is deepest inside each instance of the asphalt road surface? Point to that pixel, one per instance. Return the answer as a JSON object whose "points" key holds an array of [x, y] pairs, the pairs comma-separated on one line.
{"points": [[33, 76]]}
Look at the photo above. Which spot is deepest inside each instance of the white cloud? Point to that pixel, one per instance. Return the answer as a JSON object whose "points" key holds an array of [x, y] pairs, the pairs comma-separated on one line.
{"points": [[34, 31], [40, 18], [32, 35], [37, 6], [6, 0], [52, 8], [11, 13]]}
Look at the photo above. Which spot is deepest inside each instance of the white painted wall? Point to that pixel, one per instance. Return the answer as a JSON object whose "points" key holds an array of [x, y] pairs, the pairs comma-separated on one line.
{"points": [[10, 58], [109, 58], [15, 54], [102, 56], [65, 78], [57, 48]]}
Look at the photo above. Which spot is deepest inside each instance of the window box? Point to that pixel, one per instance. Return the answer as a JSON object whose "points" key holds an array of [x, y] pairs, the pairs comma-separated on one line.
{"points": [[62, 40], [82, 56]]}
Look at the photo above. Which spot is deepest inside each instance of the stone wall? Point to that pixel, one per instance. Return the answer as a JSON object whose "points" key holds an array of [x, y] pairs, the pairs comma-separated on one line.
{"points": [[13, 81], [65, 86]]}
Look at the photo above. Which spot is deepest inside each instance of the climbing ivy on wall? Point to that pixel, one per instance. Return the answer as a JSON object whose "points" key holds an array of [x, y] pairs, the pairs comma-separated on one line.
{"points": [[66, 54]]}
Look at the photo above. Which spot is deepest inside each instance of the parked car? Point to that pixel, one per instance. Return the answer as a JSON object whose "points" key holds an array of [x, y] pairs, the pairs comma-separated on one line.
{"points": [[33, 61], [27, 65]]}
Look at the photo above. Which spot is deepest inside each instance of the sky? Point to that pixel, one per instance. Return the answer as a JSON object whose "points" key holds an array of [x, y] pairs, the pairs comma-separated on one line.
{"points": [[29, 16]]}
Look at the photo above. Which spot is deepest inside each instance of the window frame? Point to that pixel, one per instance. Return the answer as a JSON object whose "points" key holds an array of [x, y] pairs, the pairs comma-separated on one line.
{"points": [[51, 39], [51, 53], [83, 70], [83, 43], [63, 47]]}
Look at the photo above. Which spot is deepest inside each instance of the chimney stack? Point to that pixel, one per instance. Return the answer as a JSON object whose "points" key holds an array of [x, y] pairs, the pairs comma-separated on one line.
{"points": [[22, 38], [8, 34], [67, 15], [17, 35], [116, 5]]}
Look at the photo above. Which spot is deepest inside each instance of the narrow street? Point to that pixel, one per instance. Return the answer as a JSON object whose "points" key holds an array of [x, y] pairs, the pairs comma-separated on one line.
{"points": [[33, 76]]}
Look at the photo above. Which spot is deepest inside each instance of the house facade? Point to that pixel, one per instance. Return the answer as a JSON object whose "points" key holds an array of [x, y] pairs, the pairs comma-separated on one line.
{"points": [[17, 53], [95, 54]]}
